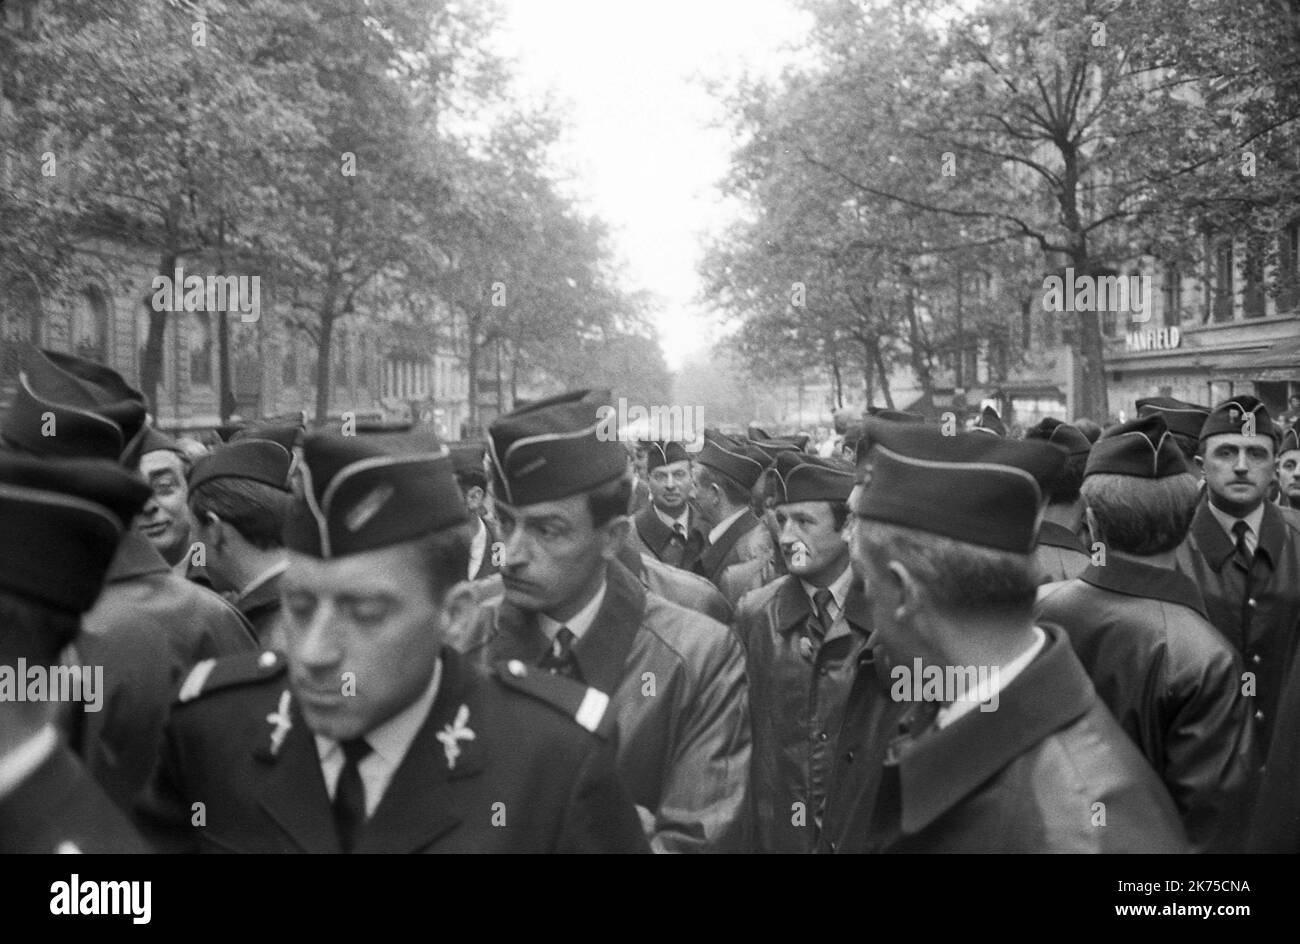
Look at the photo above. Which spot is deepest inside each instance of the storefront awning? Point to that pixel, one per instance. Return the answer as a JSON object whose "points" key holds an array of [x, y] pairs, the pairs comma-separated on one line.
{"points": [[1279, 362]]}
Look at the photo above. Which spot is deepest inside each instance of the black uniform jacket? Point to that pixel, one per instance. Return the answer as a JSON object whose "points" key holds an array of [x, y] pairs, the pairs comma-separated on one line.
{"points": [[656, 538], [1049, 770], [1173, 683], [676, 680], [1059, 555], [60, 808], [797, 692], [528, 780], [1257, 611], [676, 585], [744, 540], [1277, 809]]}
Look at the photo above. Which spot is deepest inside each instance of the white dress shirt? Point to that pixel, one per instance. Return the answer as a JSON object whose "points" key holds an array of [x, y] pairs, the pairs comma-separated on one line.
{"points": [[993, 683], [721, 527], [477, 548], [684, 519], [389, 743], [1253, 521], [839, 589], [580, 621]]}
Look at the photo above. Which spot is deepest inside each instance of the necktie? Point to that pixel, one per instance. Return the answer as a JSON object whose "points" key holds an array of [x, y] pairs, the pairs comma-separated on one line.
{"points": [[1244, 555], [350, 793], [559, 659], [679, 529], [822, 618]]}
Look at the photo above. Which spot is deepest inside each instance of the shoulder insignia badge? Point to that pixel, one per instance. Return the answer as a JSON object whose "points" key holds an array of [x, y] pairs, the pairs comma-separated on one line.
{"points": [[583, 704]]}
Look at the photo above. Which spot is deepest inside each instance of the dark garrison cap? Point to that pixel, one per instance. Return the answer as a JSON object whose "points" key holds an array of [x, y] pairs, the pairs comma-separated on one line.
{"points": [[556, 447], [1231, 416], [1068, 437], [1290, 440], [969, 487], [739, 461], [991, 422], [798, 478], [258, 460], [1181, 418], [894, 416], [1142, 448], [360, 497], [663, 453], [96, 414], [287, 436], [60, 523], [467, 460]]}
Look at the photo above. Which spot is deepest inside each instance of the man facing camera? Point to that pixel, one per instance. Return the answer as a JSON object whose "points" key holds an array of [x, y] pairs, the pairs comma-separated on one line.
{"points": [[369, 734]]}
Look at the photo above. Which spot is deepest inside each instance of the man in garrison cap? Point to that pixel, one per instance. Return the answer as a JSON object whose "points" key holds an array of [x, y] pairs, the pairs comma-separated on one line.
{"points": [[1060, 553], [676, 679], [726, 470], [369, 733], [668, 527], [738, 579], [149, 625], [60, 523], [990, 421], [484, 557], [239, 498], [1183, 420], [802, 634], [1288, 469], [1244, 552], [1139, 628], [1004, 745]]}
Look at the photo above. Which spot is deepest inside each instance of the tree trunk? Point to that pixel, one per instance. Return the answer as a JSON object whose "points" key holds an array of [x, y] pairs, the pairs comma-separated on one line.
{"points": [[152, 368], [883, 373], [225, 393], [868, 371], [837, 384], [920, 363], [324, 343]]}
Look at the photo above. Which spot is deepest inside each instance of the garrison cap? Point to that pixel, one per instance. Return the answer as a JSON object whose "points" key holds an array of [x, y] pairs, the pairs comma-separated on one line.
{"points": [[553, 448], [772, 448], [1181, 418], [896, 416], [990, 421], [258, 460], [1068, 437], [359, 497], [663, 453], [467, 462], [152, 440], [287, 436], [60, 523], [796, 477], [739, 461], [969, 487], [96, 414], [1142, 448], [1231, 416], [1290, 440]]}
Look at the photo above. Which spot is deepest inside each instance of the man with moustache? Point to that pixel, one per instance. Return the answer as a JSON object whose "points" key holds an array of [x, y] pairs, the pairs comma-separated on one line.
{"points": [[1026, 759], [165, 521], [1244, 553], [802, 634], [369, 734], [676, 679], [668, 527], [1288, 469]]}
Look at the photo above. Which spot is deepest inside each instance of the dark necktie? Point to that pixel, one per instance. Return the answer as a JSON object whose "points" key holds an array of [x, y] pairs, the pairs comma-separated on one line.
{"points": [[350, 793], [821, 621], [679, 530], [1244, 555], [559, 659]]}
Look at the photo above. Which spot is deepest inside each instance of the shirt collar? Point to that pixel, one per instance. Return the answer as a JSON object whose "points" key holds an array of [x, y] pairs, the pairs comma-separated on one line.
{"points": [[1255, 519], [264, 577], [477, 547], [684, 519], [393, 738], [839, 588], [580, 622], [721, 527], [22, 761], [990, 686]]}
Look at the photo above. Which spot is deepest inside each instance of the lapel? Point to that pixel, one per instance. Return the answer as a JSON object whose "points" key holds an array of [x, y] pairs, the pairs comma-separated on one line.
{"points": [[1272, 534], [856, 610], [654, 533], [1142, 580], [603, 650], [713, 556], [951, 763], [419, 805], [1055, 535], [268, 594], [791, 606], [294, 792], [1211, 540]]}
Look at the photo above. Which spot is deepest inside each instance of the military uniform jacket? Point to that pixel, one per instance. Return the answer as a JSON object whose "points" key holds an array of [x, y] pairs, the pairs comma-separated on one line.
{"points": [[1059, 554], [797, 693], [679, 700], [1257, 611], [60, 808], [676, 585], [660, 541], [1048, 771], [739, 579], [1173, 683], [262, 610], [529, 780], [744, 540], [147, 629], [1277, 808]]}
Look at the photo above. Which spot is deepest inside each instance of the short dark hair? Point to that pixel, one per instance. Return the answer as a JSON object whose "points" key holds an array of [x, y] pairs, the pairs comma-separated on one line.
{"points": [[256, 510], [32, 630], [445, 557], [610, 500], [471, 478], [1064, 489], [1142, 516], [736, 493]]}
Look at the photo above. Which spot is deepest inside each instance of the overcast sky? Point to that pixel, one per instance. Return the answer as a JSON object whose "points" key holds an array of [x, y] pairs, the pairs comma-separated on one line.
{"points": [[640, 147]]}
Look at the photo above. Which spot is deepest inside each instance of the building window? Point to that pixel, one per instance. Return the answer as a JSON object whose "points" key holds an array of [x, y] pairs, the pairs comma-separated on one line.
{"points": [[1253, 277], [201, 349], [289, 363], [363, 363], [90, 325], [339, 357], [1288, 251], [1223, 283], [20, 306], [1171, 295]]}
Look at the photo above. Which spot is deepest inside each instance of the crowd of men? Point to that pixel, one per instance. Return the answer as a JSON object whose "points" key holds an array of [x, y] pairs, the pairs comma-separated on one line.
{"points": [[920, 639]]}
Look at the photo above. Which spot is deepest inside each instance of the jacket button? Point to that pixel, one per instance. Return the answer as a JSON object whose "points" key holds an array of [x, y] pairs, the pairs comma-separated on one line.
{"points": [[1259, 716], [1251, 603], [1255, 658], [848, 758], [832, 845], [823, 736]]}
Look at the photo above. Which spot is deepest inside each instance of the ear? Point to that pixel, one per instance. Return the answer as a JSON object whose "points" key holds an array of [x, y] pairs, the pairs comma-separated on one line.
{"points": [[910, 598], [212, 527], [616, 532], [1091, 520], [459, 609], [1200, 462]]}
